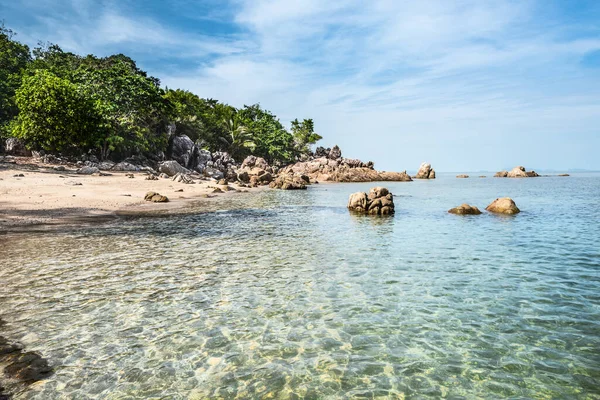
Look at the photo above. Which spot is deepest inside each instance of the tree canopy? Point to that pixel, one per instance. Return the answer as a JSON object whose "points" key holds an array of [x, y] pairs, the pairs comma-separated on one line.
{"points": [[60, 101]]}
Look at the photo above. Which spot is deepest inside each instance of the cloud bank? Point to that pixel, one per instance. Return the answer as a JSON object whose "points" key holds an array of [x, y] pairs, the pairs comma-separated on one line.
{"points": [[466, 84]]}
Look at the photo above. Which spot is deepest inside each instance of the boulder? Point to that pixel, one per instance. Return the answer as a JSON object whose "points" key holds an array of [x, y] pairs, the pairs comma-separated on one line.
{"points": [[501, 174], [151, 178], [106, 165], [465, 209], [181, 149], [532, 174], [125, 166], [243, 176], [564, 175], [517, 172], [321, 151], [183, 178], [221, 161], [462, 176], [358, 202], [213, 173], [286, 182], [87, 170], [335, 153], [172, 168], [379, 201], [425, 172], [504, 205], [16, 147], [155, 197]]}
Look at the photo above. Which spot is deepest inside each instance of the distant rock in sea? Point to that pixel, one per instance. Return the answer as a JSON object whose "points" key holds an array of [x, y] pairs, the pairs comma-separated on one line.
{"points": [[463, 176], [516, 172], [425, 172]]}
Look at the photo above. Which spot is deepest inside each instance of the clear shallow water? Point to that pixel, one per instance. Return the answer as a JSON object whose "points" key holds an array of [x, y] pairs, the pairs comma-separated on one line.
{"points": [[287, 295]]}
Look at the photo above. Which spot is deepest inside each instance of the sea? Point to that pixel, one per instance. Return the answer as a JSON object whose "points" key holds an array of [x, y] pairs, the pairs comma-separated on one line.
{"points": [[287, 295]]}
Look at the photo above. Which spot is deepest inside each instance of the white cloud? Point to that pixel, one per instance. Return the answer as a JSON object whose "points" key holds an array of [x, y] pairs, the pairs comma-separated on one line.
{"points": [[454, 82]]}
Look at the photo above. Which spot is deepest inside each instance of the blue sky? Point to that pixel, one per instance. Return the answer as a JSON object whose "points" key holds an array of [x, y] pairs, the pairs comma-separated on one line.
{"points": [[465, 85]]}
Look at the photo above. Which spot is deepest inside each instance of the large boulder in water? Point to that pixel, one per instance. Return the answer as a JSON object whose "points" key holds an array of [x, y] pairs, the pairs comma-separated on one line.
{"points": [[425, 172], [465, 209], [504, 205], [379, 201], [172, 168], [286, 182], [501, 174]]}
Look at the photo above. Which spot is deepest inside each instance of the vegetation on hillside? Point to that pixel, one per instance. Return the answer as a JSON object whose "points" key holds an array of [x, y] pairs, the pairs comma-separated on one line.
{"points": [[59, 101]]}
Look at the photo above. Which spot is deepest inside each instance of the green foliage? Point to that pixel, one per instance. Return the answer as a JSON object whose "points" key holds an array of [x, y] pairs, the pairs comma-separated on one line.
{"points": [[130, 103], [304, 135], [55, 114], [273, 142], [14, 58], [111, 105], [187, 110], [238, 139]]}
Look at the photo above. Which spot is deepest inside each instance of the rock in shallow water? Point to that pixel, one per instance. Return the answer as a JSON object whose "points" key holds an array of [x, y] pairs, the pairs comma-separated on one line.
{"points": [[504, 205], [379, 201], [465, 209]]}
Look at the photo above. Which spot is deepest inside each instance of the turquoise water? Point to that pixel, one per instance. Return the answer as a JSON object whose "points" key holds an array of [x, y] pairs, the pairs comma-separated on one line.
{"points": [[286, 295]]}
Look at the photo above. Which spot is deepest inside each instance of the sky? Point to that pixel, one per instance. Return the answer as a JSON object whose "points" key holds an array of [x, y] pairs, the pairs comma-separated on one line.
{"points": [[465, 85]]}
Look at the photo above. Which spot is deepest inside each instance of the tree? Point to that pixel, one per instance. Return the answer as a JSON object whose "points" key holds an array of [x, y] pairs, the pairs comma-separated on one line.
{"points": [[273, 142], [187, 109], [55, 114], [304, 135], [238, 139], [131, 104], [14, 58]]}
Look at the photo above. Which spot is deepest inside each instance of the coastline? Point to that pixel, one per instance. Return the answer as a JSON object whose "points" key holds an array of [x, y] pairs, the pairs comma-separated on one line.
{"points": [[43, 198]]}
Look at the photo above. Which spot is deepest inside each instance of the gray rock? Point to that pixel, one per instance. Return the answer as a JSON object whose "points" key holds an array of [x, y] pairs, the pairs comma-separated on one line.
{"points": [[172, 168], [106, 165], [87, 170], [181, 149], [183, 178], [335, 153], [16, 147], [125, 166], [214, 173]]}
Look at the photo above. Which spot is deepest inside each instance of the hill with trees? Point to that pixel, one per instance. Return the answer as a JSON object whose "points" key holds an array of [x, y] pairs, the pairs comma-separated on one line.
{"points": [[65, 103]]}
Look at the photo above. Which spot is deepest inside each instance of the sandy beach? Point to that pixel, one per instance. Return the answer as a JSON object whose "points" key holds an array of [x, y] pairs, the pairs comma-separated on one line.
{"points": [[44, 197]]}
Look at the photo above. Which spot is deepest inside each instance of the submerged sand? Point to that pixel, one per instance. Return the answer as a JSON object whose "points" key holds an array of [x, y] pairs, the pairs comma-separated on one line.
{"points": [[43, 196]]}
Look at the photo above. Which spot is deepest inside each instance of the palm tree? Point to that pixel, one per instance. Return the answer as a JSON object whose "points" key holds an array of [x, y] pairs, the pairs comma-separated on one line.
{"points": [[238, 138]]}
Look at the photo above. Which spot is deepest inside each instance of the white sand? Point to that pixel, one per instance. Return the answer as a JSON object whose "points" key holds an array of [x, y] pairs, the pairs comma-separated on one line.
{"points": [[45, 196]]}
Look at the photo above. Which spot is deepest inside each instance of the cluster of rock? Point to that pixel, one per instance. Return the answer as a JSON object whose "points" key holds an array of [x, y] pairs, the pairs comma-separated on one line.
{"points": [[516, 172], [379, 201], [425, 172], [462, 176], [329, 165], [504, 205]]}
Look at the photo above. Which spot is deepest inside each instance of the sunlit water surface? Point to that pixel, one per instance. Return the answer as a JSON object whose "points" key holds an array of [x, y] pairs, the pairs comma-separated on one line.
{"points": [[286, 295]]}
